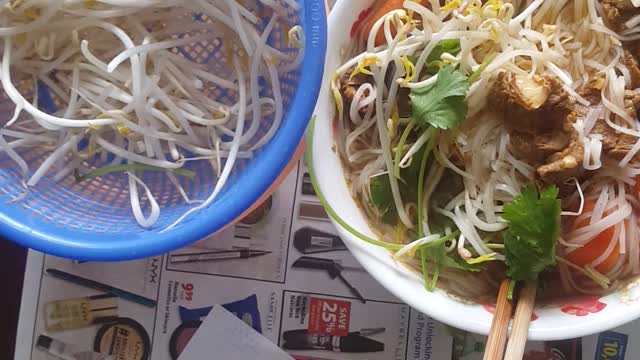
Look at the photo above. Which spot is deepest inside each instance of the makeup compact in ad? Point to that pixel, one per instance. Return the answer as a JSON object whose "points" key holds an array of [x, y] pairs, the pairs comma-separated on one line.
{"points": [[81, 312], [64, 351], [181, 337], [123, 338]]}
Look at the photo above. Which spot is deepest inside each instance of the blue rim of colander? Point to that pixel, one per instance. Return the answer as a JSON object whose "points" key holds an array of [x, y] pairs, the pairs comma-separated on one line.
{"points": [[228, 207]]}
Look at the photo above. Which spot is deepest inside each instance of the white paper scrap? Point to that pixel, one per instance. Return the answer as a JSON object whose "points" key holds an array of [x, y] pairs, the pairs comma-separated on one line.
{"points": [[230, 338]]}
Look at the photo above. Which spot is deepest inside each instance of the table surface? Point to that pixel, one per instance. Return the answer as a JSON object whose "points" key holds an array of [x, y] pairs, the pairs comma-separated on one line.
{"points": [[13, 260]]}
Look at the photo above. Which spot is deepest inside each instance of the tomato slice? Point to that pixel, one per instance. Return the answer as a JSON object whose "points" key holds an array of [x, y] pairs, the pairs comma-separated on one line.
{"points": [[595, 247], [384, 8]]}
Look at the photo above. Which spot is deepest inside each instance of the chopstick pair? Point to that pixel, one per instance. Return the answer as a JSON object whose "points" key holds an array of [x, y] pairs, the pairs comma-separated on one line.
{"points": [[500, 324]]}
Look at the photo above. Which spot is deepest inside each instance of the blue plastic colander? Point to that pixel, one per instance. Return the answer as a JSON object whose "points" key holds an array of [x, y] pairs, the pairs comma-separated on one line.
{"points": [[92, 220]]}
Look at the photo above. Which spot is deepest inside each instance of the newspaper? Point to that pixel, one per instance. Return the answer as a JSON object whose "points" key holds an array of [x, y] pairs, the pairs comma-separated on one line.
{"points": [[283, 270]]}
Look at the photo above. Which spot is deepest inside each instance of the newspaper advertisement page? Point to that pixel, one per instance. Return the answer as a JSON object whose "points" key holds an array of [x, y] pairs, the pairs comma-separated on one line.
{"points": [[283, 270]]}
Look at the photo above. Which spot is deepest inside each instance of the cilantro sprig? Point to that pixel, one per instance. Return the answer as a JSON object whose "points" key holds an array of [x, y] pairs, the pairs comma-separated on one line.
{"points": [[534, 227], [441, 104]]}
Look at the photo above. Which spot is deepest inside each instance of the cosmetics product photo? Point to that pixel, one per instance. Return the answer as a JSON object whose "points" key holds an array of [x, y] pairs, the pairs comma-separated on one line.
{"points": [[308, 240], [354, 342], [312, 211], [124, 338], [61, 350], [307, 186], [333, 269], [245, 309], [93, 284], [76, 313], [221, 255], [181, 336]]}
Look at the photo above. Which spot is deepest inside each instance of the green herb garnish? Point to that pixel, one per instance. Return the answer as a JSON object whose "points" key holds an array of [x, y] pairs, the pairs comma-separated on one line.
{"points": [[380, 188], [534, 227], [381, 197], [434, 62], [441, 104], [435, 251], [399, 148]]}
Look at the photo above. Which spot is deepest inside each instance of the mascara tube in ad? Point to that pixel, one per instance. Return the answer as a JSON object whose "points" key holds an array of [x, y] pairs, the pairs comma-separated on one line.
{"points": [[352, 343]]}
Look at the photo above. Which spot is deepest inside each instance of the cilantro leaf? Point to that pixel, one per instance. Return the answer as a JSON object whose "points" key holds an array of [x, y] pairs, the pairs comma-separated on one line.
{"points": [[437, 253], [441, 104], [381, 197], [534, 227], [451, 46]]}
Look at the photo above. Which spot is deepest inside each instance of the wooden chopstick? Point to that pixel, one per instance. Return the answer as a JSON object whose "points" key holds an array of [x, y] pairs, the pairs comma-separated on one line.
{"points": [[500, 324], [521, 320]]}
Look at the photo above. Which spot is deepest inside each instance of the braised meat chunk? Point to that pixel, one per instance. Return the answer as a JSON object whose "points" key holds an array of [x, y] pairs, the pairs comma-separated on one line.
{"points": [[349, 85], [618, 12], [532, 105], [634, 70], [540, 116], [614, 144], [537, 147]]}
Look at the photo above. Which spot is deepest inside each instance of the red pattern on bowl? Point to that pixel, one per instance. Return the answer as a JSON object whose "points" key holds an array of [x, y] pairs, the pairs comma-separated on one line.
{"points": [[584, 306]]}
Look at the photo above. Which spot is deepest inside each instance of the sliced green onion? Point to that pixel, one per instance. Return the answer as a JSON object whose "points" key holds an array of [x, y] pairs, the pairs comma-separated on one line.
{"points": [[423, 250], [130, 167], [476, 74], [325, 204], [399, 148]]}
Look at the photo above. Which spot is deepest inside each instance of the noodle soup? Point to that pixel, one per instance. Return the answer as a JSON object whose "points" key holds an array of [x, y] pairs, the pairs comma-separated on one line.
{"points": [[484, 140]]}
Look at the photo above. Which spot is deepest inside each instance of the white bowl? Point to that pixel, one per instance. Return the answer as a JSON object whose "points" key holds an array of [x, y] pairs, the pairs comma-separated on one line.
{"points": [[582, 316]]}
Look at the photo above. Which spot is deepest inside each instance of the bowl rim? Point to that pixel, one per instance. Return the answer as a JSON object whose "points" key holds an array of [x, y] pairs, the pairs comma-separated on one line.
{"points": [[408, 288], [24, 229]]}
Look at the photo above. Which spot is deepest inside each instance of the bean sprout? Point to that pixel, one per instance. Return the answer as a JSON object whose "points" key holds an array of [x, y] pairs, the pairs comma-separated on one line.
{"points": [[133, 81]]}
